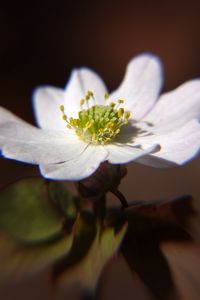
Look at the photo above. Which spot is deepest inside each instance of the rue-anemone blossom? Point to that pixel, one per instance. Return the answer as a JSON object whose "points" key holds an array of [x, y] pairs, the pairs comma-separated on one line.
{"points": [[82, 126]]}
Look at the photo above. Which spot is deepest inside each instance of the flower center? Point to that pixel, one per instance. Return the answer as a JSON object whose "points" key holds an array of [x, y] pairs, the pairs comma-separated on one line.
{"points": [[97, 124]]}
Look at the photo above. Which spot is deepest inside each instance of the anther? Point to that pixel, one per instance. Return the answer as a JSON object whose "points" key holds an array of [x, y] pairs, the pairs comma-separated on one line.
{"points": [[120, 101], [106, 96], [62, 108], [127, 115], [120, 112], [82, 101], [112, 104], [90, 93]]}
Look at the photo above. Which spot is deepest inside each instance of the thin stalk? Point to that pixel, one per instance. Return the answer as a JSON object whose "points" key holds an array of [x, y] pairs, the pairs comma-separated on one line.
{"points": [[120, 196]]}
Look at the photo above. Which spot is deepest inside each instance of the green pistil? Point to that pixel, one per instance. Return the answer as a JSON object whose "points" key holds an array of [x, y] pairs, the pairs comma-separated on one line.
{"points": [[98, 124]]}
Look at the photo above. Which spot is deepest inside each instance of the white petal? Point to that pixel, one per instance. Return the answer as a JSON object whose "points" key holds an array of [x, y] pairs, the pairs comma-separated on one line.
{"points": [[29, 144], [80, 82], [177, 107], [141, 85], [119, 154], [46, 103], [155, 161], [78, 168], [177, 147], [6, 115]]}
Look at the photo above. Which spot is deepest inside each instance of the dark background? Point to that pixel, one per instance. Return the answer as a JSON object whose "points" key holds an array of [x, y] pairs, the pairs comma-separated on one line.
{"points": [[42, 42]]}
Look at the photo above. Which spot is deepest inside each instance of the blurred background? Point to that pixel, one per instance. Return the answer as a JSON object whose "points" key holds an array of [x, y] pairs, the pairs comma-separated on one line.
{"points": [[42, 41]]}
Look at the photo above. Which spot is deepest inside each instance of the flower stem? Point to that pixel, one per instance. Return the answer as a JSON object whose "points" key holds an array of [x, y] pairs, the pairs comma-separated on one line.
{"points": [[120, 196], [100, 208]]}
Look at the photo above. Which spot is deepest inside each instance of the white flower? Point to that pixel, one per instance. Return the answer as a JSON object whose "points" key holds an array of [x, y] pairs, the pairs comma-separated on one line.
{"points": [[81, 126]]}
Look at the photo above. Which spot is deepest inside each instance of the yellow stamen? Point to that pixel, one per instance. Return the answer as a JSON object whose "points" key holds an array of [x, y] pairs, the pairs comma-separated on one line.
{"points": [[82, 101], [112, 104], [97, 124], [62, 108], [120, 112], [106, 95], [120, 101]]}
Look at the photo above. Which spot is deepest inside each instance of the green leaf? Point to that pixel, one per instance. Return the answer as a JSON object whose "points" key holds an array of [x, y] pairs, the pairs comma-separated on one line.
{"points": [[67, 203], [27, 214], [20, 260], [87, 270]]}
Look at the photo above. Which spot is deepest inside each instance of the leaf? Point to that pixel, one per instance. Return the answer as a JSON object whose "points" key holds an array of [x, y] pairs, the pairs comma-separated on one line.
{"points": [[144, 257], [84, 234], [19, 260], [150, 223], [67, 203], [87, 270], [32, 231], [27, 214], [179, 210], [184, 262], [165, 220]]}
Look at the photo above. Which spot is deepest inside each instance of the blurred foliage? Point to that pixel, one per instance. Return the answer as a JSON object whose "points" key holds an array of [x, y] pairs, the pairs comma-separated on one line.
{"points": [[26, 212], [19, 260], [43, 225], [58, 193], [87, 270]]}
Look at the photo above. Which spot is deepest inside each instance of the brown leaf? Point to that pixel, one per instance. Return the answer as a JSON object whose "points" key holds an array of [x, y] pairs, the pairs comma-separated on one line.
{"points": [[149, 225], [179, 210], [184, 261], [142, 254]]}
